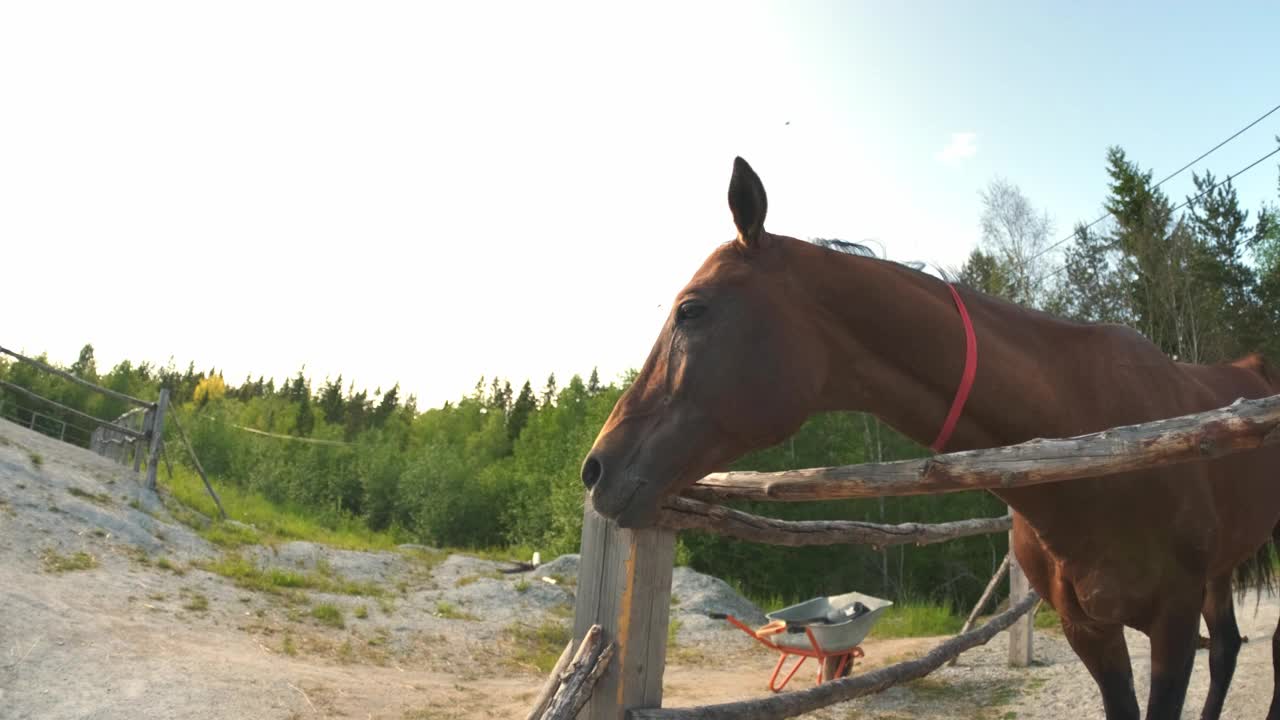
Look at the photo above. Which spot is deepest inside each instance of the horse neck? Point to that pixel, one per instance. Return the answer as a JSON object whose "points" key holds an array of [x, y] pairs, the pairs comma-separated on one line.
{"points": [[896, 347]]}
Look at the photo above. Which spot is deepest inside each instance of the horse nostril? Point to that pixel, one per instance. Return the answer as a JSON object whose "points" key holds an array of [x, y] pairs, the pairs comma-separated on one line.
{"points": [[591, 472]]}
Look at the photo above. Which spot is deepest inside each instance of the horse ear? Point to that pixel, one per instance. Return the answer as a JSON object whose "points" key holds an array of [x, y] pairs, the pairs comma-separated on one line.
{"points": [[748, 204]]}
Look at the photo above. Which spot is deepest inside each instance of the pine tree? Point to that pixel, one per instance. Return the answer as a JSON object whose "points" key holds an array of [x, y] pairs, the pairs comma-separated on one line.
{"points": [[1222, 230], [386, 407], [357, 412], [986, 273], [549, 392], [593, 383], [523, 407], [85, 367], [332, 406], [1093, 291], [1157, 258]]}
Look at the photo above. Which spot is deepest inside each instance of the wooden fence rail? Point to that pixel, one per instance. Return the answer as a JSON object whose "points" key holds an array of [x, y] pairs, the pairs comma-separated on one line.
{"points": [[686, 514], [1246, 425], [79, 381], [71, 411]]}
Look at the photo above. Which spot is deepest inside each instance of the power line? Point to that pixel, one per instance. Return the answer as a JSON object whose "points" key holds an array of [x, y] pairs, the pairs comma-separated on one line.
{"points": [[1171, 176], [1192, 200]]}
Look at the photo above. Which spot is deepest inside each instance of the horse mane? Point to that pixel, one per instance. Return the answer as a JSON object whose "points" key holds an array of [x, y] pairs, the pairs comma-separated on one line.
{"points": [[1258, 363], [861, 250], [844, 246]]}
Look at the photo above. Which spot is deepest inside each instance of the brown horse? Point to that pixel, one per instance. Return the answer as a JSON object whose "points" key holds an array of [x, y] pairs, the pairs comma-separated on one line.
{"points": [[772, 329]]}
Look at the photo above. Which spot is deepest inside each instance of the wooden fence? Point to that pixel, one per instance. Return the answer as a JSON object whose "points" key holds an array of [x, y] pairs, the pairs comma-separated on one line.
{"points": [[624, 584], [136, 436]]}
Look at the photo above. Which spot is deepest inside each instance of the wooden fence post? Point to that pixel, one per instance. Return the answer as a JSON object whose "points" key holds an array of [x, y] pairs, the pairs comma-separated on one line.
{"points": [[139, 449], [157, 438], [624, 585], [1020, 638]]}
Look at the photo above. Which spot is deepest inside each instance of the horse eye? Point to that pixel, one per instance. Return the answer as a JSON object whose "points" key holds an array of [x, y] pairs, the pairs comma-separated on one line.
{"points": [[690, 310]]}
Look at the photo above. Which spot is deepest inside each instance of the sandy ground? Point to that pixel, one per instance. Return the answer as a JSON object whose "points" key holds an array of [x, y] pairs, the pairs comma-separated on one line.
{"points": [[128, 638]]}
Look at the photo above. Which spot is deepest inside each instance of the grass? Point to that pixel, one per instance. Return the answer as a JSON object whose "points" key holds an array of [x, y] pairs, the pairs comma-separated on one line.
{"points": [[538, 646], [36, 459], [95, 498], [329, 614], [246, 574], [197, 603], [912, 618], [361, 611], [271, 522], [563, 581], [449, 611], [1047, 619], [465, 581], [56, 562], [522, 586], [165, 563], [513, 553]]}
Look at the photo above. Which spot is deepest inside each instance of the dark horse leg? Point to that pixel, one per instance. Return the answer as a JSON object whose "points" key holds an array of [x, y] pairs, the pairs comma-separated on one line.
{"points": [[1274, 712], [1103, 650], [1224, 643], [1173, 634]]}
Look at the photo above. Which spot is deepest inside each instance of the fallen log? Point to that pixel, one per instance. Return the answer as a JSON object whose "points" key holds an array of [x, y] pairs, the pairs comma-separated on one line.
{"points": [[796, 703], [579, 678], [552, 684]]}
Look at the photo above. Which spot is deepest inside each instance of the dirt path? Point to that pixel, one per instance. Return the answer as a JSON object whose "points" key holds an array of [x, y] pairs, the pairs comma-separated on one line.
{"points": [[131, 639]]}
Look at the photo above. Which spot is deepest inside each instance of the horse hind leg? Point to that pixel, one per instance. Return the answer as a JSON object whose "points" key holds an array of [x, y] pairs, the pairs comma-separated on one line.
{"points": [[1173, 634], [1224, 644], [1274, 712]]}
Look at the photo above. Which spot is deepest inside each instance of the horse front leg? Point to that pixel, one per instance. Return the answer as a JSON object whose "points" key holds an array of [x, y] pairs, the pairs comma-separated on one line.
{"points": [[1224, 644], [1103, 651]]}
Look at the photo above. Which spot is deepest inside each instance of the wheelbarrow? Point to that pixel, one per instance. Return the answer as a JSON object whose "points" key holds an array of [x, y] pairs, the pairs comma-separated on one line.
{"points": [[822, 628]]}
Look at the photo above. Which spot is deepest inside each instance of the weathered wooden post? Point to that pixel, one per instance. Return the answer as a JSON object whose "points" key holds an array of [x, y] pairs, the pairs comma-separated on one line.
{"points": [[624, 585], [157, 438], [1020, 632], [148, 420]]}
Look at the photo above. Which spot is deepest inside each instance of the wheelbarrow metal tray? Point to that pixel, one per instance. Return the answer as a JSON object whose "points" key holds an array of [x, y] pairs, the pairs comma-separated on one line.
{"points": [[832, 638]]}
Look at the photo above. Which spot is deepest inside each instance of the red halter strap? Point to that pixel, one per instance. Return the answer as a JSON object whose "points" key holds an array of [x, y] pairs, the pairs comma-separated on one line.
{"points": [[966, 379]]}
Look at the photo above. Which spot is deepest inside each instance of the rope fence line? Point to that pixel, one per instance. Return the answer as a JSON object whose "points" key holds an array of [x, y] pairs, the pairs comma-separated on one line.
{"points": [[313, 441]]}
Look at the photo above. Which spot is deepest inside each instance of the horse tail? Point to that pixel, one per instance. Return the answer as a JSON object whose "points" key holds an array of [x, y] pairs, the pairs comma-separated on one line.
{"points": [[1258, 571]]}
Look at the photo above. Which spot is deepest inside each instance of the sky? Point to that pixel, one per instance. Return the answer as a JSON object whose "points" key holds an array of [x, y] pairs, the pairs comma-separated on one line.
{"points": [[425, 193]]}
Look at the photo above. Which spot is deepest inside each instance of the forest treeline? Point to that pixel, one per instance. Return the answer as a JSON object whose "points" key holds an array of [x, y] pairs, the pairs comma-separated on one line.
{"points": [[499, 467]]}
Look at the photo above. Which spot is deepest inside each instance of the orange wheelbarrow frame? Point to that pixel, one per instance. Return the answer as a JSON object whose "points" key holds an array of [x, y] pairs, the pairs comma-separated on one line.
{"points": [[764, 632]]}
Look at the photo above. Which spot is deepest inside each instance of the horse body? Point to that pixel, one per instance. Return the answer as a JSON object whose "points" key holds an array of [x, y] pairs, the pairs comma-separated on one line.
{"points": [[772, 329]]}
